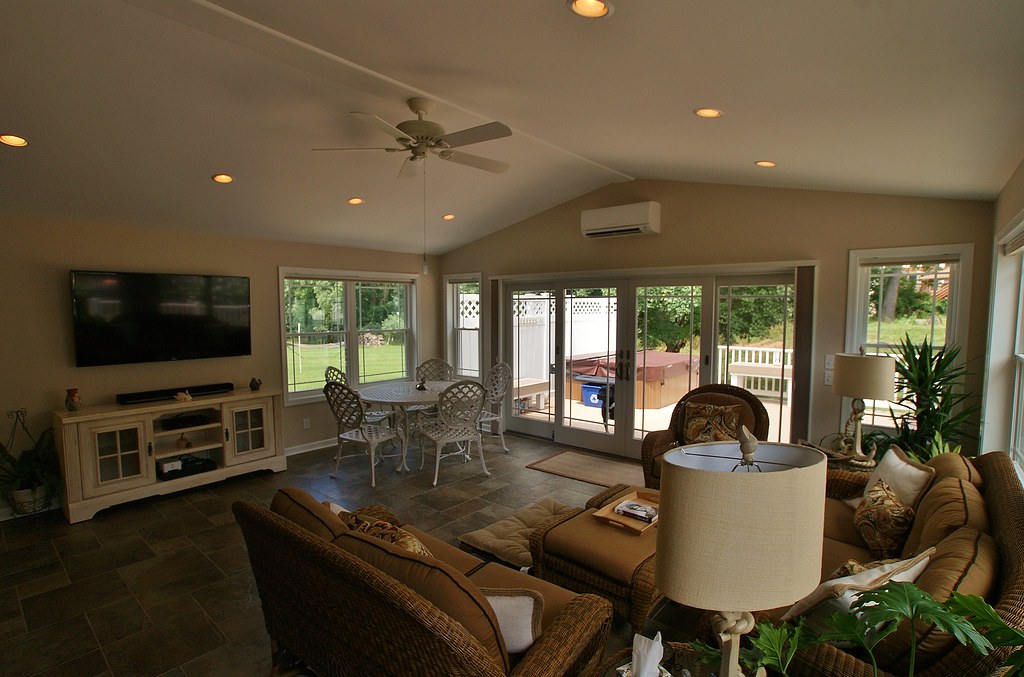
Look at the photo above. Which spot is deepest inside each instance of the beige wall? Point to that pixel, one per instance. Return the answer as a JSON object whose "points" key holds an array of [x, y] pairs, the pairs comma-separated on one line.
{"points": [[1011, 200], [35, 311], [705, 224]]}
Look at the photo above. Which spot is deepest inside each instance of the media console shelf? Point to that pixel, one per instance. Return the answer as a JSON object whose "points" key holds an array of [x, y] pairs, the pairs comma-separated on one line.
{"points": [[112, 454]]}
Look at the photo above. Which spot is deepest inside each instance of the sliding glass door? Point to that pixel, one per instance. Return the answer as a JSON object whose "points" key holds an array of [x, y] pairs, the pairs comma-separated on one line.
{"points": [[599, 364]]}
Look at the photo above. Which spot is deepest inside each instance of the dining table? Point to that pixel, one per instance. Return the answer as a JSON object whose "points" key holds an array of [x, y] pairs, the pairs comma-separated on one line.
{"points": [[403, 395]]}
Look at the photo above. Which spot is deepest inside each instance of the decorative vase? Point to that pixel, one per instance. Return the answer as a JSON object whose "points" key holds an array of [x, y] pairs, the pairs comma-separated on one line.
{"points": [[26, 501], [72, 401]]}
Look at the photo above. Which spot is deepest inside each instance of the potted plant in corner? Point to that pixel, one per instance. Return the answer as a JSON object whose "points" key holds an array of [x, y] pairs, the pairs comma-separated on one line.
{"points": [[934, 415], [31, 481]]}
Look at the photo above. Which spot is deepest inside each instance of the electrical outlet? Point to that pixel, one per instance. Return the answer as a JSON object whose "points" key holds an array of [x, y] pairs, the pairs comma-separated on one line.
{"points": [[305, 424], [830, 362], [828, 377]]}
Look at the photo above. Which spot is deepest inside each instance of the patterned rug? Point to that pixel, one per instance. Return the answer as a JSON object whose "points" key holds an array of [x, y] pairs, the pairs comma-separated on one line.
{"points": [[592, 468]]}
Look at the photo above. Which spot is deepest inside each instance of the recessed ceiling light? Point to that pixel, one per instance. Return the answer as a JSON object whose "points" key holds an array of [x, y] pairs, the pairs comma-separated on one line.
{"points": [[355, 200], [707, 112], [766, 163], [448, 217], [590, 9], [12, 140], [223, 178]]}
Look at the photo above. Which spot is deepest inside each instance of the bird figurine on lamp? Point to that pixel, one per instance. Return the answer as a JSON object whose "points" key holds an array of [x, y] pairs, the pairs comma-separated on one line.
{"points": [[748, 447]]}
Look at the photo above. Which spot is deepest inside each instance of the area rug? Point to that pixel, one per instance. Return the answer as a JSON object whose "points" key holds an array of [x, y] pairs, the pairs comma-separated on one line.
{"points": [[592, 468]]}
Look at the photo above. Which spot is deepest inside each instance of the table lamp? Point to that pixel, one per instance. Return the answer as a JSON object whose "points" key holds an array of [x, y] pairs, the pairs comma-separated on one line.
{"points": [[740, 531], [862, 377]]}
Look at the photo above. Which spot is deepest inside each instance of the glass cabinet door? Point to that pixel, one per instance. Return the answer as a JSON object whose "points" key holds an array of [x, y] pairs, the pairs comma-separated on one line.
{"points": [[248, 432], [119, 456]]}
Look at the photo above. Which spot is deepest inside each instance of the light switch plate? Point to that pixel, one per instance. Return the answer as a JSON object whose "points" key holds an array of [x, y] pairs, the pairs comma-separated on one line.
{"points": [[830, 362], [828, 377]]}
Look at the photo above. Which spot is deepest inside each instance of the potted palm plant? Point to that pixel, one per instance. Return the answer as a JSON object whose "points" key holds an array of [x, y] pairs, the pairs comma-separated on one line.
{"points": [[30, 481]]}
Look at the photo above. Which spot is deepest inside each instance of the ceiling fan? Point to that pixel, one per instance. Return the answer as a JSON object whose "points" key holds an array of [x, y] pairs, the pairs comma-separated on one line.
{"points": [[419, 137]]}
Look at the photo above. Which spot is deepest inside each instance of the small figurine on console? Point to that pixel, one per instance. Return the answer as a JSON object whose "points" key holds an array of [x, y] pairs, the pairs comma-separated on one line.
{"points": [[183, 396], [255, 384]]}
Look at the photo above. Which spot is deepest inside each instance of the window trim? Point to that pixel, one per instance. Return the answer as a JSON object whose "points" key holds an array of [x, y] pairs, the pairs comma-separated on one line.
{"points": [[290, 272], [451, 313]]}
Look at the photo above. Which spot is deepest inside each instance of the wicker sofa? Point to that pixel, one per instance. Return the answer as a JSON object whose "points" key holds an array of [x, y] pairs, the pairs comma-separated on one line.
{"points": [[344, 602], [973, 514]]}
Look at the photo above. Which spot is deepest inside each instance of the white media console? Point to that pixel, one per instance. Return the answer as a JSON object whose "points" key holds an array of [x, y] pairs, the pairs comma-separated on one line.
{"points": [[112, 454]]}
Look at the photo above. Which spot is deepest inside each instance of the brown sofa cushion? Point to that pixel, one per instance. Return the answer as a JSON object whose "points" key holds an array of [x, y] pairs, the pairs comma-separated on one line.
{"points": [[299, 507], [462, 561], [949, 504], [955, 465], [839, 523], [591, 542], [494, 575], [440, 584], [966, 561], [835, 553]]}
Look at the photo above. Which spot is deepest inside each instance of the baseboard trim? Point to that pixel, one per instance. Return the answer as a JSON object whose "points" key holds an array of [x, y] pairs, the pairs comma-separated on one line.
{"points": [[309, 446]]}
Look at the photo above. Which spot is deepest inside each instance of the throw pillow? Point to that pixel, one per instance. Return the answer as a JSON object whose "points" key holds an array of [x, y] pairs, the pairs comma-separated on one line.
{"points": [[883, 520], [371, 511], [838, 594], [852, 566], [518, 611], [386, 531], [908, 478], [710, 422]]}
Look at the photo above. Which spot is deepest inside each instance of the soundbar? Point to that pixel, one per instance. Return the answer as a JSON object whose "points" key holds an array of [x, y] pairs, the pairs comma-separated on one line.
{"points": [[168, 393]]}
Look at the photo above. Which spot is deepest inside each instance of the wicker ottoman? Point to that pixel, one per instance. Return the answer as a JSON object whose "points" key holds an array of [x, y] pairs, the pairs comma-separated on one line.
{"points": [[582, 553]]}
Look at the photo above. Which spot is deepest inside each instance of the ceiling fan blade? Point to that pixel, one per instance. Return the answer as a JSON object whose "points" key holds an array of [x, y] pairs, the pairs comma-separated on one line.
{"points": [[410, 169], [492, 130], [392, 131], [475, 161], [380, 148]]}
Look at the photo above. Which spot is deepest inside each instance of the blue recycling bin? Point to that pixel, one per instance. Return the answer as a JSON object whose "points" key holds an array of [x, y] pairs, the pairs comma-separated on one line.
{"points": [[591, 395]]}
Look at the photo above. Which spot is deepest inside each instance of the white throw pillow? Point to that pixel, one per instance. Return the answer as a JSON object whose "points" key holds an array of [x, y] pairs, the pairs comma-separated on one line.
{"points": [[518, 611], [838, 594], [907, 478]]}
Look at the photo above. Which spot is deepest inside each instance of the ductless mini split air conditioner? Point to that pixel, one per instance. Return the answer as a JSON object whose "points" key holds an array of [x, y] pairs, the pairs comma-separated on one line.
{"points": [[634, 219]]}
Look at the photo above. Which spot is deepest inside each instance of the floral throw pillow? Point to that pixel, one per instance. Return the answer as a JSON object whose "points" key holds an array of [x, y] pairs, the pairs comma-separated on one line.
{"points": [[386, 532], [883, 520], [710, 422]]}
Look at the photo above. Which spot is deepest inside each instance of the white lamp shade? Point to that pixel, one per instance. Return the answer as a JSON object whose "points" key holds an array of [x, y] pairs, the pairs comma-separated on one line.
{"points": [[866, 377], [743, 540]]}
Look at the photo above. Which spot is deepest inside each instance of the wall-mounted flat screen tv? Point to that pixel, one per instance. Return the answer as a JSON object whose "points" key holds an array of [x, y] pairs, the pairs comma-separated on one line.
{"points": [[123, 318]]}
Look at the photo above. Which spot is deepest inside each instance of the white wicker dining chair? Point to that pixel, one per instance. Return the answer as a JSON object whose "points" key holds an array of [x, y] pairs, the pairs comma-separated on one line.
{"points": [[353, 427], [332, 373], [496, 387], [458, 408], [435, 369]]}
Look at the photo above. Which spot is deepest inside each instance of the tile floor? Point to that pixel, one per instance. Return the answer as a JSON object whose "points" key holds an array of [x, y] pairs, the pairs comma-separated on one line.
{"points": [[162, 586]]}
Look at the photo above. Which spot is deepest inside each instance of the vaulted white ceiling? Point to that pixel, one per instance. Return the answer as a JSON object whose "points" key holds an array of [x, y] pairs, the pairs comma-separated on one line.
{"points": [[131, 105]]}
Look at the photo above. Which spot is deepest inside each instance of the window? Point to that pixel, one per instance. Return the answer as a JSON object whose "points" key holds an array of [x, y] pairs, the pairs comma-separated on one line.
{"points": [[920, 292], [464, 342], [343, 319]]}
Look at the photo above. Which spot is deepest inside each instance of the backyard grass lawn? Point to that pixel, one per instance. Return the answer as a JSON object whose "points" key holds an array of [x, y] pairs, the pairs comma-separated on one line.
{"points": [[306, 363]]}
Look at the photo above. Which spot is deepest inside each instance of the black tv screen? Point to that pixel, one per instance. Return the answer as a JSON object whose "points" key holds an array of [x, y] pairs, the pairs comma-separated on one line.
{"points": [[123, 318]]}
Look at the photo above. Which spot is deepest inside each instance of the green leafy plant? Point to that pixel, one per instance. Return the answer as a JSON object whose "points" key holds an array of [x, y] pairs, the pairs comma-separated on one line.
{"points": [[930, 381], [774, 646], [37, 467], [983, 617], [878, 613]]}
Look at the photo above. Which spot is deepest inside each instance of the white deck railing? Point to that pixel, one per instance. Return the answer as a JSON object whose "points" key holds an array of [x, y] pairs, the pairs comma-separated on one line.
{"points": [[766, 372]]}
